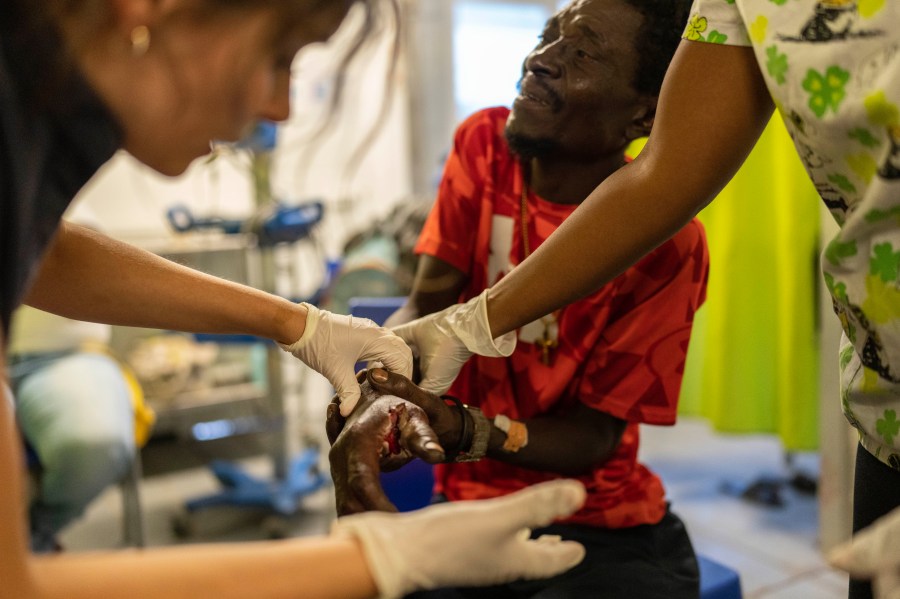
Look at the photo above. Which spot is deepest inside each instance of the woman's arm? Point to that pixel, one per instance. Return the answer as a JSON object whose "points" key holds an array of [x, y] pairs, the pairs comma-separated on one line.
{"points": [[713, 107], [315, 567], [332, 567], [86, 275]]}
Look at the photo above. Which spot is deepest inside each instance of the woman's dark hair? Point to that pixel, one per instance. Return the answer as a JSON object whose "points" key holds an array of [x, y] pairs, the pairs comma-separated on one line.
{"points": [[37, 57], [33, 20], [657, 39]]}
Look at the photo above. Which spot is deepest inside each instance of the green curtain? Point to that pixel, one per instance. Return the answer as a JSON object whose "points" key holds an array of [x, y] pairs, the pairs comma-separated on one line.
{"points": [[753, 359]]}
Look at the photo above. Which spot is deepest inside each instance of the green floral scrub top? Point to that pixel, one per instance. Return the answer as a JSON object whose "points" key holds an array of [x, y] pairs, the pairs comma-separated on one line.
{"points": [[833, 69]]}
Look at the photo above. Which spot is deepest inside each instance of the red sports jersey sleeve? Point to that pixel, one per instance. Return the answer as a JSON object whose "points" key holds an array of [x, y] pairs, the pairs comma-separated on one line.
{"points": [[634, 369]]}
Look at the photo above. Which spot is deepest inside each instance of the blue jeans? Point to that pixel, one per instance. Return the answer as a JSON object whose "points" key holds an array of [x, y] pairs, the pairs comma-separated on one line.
{"points": [[75, 411]]}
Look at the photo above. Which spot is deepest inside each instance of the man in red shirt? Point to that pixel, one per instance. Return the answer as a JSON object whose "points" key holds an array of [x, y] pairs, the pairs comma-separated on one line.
{"points": [[568, 402]]}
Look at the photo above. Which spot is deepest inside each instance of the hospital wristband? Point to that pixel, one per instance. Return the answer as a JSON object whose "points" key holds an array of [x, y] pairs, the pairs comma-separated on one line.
{"points": [[516, 433]]}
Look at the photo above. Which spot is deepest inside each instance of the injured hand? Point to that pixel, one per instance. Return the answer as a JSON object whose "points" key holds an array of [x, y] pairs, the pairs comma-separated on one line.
{"points": [[382, 433]]}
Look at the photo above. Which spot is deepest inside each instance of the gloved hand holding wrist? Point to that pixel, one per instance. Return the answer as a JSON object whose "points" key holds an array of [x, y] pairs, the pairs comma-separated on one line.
{"points": [[468, 543], [332, 344], [446, 339]]}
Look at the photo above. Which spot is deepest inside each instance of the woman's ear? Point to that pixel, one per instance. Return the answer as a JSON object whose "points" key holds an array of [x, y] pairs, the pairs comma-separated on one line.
{"points": [[643, 118]]}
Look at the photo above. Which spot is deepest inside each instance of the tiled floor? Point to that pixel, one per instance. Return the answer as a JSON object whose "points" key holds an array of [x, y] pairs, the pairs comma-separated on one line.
{"points": [[773, 548]]}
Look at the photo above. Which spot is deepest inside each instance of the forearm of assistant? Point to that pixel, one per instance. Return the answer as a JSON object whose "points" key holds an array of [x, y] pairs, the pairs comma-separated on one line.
{"points": [[86, 275], [322, 568], [699, 141]]}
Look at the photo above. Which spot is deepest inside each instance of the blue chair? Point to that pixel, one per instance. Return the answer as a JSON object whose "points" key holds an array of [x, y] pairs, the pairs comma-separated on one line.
{"points": [[410, 487], [718, 581], [377, 309]]}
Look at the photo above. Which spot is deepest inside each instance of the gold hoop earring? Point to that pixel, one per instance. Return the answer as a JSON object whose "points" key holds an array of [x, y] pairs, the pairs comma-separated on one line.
{"points": [[140, 40]]}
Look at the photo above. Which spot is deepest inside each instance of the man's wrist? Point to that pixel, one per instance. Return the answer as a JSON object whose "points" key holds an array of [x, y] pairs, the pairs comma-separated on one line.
{"points": [[462, 439], [481, 434], [465, 428]]}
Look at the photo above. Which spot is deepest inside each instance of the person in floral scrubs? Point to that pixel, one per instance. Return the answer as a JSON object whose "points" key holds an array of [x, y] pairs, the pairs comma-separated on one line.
{"points": [[833, 71]]}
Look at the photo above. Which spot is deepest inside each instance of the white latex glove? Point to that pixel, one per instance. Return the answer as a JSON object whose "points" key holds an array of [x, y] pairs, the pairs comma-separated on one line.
{"points": [[446, 339], [468, 543], [874, 554], [332, 344]]}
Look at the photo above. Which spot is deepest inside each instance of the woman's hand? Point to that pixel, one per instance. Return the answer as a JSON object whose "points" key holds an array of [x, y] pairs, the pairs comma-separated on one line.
{"points": [[446, 339], [874, 554], [332, 344], [468, 543]]}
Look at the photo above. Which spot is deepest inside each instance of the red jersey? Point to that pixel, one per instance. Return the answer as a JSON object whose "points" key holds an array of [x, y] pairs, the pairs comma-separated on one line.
{"points": [[620, 350]]}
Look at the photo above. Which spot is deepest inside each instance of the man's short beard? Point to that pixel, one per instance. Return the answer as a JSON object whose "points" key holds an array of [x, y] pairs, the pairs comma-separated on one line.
{"points": [[527, 148]]}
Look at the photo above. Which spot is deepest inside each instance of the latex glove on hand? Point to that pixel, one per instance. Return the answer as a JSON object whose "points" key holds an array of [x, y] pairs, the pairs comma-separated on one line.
{"points": [[446, 339], [874, 554], [383, 433], [332, 344], [468, 543]]}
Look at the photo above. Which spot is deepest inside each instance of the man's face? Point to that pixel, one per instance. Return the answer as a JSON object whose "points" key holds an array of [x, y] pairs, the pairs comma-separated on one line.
{"points": [[576, 95]]}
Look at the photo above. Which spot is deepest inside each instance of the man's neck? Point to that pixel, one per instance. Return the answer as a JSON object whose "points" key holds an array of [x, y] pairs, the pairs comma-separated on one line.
{"points": [[570, 182]]}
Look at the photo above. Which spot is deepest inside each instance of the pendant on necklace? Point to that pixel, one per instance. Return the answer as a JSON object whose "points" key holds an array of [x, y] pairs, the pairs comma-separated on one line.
{"points": [[546, 343]]}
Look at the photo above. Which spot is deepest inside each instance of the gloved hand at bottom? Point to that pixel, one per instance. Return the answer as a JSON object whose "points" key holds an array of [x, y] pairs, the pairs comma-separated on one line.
{"points": [[468, 543], [874, 554]]}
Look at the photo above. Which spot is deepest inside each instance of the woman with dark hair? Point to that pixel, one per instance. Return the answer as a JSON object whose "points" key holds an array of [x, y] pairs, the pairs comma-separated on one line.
{"points": [[82, 79]]}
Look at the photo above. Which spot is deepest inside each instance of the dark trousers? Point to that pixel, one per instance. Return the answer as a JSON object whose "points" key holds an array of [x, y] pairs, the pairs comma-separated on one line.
{"points": [[876, 491], [644, 562]]}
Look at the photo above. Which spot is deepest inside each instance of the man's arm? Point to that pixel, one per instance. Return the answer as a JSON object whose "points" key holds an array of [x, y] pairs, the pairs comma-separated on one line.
{"points": [[436, 286], [573, 442], [713, 107]]}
